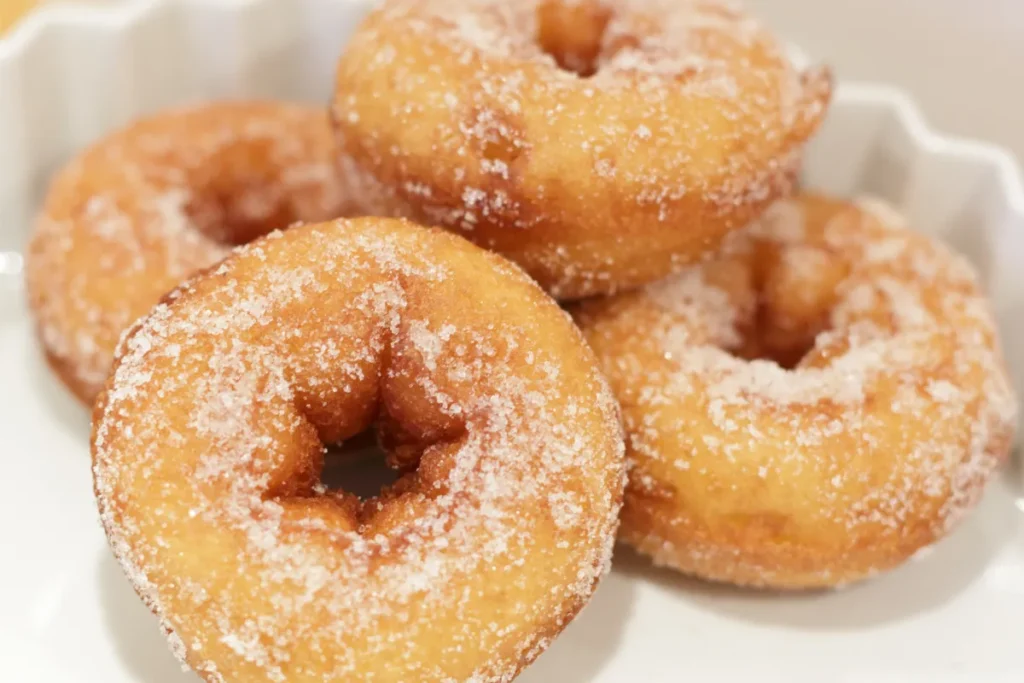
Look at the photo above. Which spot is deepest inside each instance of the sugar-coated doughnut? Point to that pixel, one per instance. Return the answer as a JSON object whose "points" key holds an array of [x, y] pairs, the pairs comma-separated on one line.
{"points": [[600, 144], [814, 405], [208, 443], [140, 211]]}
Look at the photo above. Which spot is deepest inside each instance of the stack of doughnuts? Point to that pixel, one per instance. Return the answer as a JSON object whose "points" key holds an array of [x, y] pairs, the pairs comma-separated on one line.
{"points": [[747, 383]]}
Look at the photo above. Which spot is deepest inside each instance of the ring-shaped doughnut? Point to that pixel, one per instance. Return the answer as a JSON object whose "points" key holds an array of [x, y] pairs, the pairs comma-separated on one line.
{"points": [[600, 145], [208, 441], [141, 210], [814, 405]]}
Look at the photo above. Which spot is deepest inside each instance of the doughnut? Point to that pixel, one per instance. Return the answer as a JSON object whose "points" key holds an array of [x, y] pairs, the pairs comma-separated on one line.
{"points": [[209, 436], [600, 145], [140, 211], [814, 405]]}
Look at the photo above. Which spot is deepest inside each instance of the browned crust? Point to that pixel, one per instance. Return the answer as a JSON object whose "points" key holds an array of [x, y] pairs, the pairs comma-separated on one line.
{"points": [[531, 173]]}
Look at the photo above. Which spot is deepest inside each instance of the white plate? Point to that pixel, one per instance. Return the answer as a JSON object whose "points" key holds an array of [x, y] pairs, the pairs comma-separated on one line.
{"points": [[68, 616]]}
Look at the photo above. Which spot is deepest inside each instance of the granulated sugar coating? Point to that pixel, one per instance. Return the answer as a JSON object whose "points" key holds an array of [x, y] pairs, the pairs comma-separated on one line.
{"points": [[895, 413], [601, 145], [147, 207], [208, 442]]}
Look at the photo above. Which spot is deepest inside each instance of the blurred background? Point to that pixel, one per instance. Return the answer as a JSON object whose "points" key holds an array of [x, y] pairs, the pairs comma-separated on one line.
{"points": [[961, 59]]}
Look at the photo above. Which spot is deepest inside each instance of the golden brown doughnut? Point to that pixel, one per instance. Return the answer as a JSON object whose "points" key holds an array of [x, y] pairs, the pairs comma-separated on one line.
{"points": [[812, 406], [148, 206], [208, 443], [600, 145]]}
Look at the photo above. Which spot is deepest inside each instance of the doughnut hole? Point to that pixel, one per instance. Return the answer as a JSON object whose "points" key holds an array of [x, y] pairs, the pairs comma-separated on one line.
{"points": [[418, 432], [359, 466], [797, 290], [782, 299], [239, 194], [573, 33], [187, 173], [363, 475]]}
